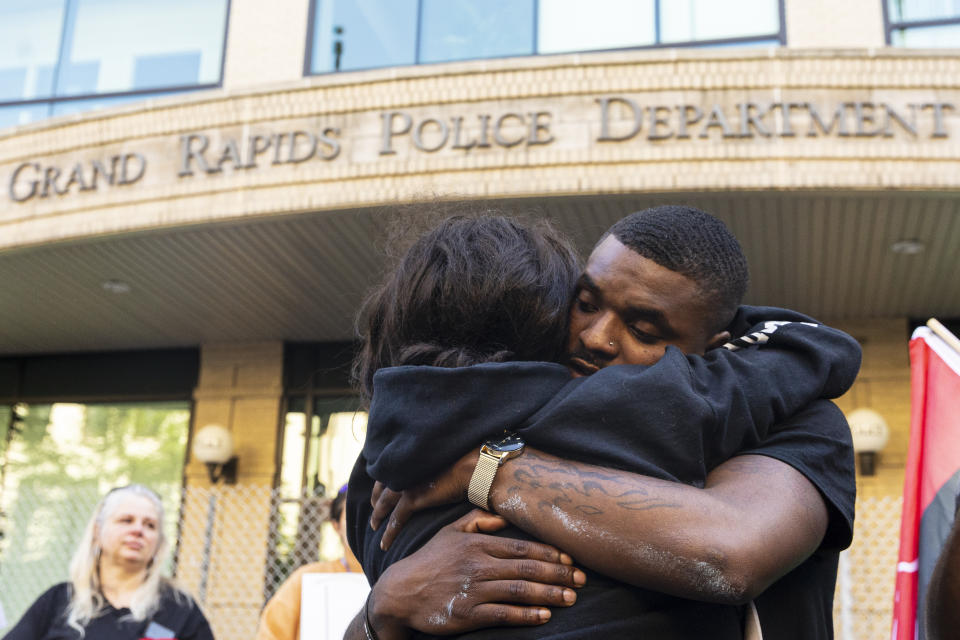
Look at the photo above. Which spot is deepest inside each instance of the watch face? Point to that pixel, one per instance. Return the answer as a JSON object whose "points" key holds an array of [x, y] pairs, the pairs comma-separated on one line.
{"points": [[510, 442]]}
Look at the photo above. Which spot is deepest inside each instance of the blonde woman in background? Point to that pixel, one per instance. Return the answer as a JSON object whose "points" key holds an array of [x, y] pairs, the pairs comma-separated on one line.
{"points": [[116, 590], [281, 617]]}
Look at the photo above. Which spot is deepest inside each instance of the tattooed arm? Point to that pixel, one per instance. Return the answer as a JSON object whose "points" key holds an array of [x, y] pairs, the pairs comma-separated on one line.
{"points": [[756, 519]]}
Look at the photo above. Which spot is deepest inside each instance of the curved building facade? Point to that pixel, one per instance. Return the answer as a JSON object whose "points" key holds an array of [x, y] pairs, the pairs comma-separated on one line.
{"points": [[196, 219]]}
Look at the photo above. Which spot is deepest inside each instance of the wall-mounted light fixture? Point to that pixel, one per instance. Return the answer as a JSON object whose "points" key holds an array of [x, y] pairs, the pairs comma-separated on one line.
{"points": [[870, 436], [213, 446]]}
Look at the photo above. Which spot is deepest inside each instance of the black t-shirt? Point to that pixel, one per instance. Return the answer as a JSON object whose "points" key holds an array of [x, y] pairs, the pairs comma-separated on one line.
{"points": [[46, 619], [817, 443]]}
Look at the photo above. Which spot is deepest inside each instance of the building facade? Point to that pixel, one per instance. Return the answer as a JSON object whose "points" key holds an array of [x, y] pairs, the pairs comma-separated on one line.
{"points": [[188, 224]]}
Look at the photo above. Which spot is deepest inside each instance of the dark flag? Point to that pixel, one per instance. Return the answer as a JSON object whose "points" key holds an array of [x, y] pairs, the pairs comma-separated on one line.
{"points": [[932, 474]]}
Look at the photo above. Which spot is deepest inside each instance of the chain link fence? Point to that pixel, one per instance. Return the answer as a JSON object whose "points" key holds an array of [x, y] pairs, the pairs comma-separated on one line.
{"points": [[236, 545], [863, 606]]}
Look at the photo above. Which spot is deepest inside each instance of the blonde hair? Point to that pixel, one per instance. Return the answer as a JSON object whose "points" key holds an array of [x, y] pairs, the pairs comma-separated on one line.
{"points": [[86, 596]]}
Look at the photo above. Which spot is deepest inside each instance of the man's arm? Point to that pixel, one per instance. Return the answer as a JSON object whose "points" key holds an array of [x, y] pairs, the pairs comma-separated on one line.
{"points": [[463, 580], [757, 517], [755, 520]]}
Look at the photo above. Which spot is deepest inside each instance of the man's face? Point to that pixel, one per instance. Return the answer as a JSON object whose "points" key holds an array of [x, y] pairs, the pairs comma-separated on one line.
{"points": [[629, 308]]}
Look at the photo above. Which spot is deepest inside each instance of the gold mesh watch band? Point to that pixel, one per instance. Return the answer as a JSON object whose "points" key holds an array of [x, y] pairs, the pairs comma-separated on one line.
{"points": [[478, 492]]}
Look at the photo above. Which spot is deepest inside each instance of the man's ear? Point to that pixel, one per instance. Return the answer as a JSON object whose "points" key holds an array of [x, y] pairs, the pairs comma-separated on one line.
{"points": [[718, 340]]}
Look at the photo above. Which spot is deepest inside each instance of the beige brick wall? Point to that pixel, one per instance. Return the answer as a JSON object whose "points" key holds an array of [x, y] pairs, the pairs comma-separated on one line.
{"points": [[241, 388], [827, 23], [883, 385], [574, 163], [266, 42]]}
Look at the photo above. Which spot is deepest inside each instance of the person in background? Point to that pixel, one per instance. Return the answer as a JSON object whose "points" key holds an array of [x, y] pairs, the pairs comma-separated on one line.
{"points": [[943, 592], [116, 590], [280, 619]]}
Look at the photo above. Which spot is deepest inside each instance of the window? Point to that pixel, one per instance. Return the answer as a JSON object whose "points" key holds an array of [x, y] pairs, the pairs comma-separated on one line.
{"points": [[691, 21], [363, 34], [467, 29], [14, 115], [922, 23], [29, 42], [53, 52], [574, 25], [322, 437]]}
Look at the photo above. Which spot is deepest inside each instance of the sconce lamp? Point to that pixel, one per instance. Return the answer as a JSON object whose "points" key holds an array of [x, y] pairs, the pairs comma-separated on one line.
{"points": [[870, 435], [213, 446]]}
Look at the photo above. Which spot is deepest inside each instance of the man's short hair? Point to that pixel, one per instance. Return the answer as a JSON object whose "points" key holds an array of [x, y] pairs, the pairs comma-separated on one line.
{"points": [[694, 244]]}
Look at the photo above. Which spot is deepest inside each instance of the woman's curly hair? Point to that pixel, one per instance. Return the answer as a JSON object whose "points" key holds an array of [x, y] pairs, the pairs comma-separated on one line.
{"points": [[474, 288]]}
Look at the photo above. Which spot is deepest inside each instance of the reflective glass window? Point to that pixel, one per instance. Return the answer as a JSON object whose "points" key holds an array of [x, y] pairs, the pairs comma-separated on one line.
{"points": [[909, 10], [762, 42], [76, 106], [322, 437], [29, 46], [574, 25], [694, 20], [468, 29], [945, 36], [13, 115], [124, 45], [378, 33], [363, 34], [319, 449], [924, 23]]}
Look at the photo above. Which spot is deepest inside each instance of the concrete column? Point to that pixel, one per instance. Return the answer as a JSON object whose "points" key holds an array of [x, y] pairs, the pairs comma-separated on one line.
{"points": [[827, 24], [266, 42], [223, 540]]}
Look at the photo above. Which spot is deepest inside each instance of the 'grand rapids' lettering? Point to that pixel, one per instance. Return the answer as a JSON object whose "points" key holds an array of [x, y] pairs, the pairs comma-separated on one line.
{"points": [[623, 119], [31, 179], [291, 147]]}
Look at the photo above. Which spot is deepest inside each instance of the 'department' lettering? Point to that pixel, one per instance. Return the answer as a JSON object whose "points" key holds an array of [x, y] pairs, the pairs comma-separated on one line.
{"points": [[623, 119]]}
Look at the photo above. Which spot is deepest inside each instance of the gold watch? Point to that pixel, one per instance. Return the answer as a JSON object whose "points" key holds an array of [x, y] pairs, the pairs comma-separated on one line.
{"points": [[493, 453]]}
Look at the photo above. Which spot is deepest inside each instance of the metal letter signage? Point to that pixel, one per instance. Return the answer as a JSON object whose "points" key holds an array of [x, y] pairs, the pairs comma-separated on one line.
{"points": [[614, 119], [33, 180], [756, 120]]}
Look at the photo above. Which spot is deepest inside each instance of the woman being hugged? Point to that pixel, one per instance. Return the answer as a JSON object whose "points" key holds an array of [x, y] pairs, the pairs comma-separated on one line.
{"points": [[116, 590]]}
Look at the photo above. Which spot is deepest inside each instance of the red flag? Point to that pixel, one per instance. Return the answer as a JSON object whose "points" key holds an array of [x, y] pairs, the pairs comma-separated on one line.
{"points": [[932, 474]]}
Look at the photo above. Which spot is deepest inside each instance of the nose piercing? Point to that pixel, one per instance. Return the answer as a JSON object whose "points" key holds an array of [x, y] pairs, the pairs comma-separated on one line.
{"points": [[611, 343]]}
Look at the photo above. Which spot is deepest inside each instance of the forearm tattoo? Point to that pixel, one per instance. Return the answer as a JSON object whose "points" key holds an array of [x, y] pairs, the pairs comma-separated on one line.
{"points": [[572, 488], [593, 505]]}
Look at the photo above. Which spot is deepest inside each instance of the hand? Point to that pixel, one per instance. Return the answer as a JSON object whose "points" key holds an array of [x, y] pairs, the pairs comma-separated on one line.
{"points": [[449, 488], [463, 580]]}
